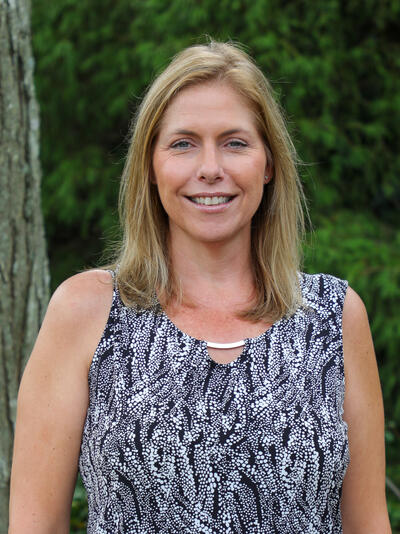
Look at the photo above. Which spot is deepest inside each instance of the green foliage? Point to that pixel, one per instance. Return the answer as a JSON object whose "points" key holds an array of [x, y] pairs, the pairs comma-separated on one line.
{"points": [[333, 66], [79, 509]]}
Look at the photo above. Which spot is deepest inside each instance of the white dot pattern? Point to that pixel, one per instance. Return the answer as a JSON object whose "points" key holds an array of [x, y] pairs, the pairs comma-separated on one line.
{"points": [[176, 443]]}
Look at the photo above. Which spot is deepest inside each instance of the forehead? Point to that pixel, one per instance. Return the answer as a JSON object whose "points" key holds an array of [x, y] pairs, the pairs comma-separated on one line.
{"points": [[210, 102]]}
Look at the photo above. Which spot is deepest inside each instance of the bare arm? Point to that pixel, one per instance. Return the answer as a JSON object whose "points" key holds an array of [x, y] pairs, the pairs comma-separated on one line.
{"points": [[364, 509], [52, 405]]}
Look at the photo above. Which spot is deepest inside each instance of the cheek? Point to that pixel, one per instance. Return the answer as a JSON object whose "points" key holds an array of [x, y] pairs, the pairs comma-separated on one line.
{"points": [[168, 187], [252, 179], [168, 175]]}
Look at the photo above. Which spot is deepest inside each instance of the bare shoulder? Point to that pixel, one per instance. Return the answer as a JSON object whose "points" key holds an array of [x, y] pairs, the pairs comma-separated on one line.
{"points": [[78, 311], [84, 292], [363, 398], [357, 338], [354, 309]]}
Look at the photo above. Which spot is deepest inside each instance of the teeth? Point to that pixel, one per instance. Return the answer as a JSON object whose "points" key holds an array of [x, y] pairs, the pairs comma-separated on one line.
{"points": [[210, 201]]}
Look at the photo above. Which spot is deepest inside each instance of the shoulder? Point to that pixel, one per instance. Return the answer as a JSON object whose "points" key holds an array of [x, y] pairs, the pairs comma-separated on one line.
{"points": [[356, 329], [333, 296], [78, 311], [358, 350], [323, 290], [354, 308], [83, 293]]}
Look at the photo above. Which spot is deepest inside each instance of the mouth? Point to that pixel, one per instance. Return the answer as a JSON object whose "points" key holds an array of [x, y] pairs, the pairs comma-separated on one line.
{"points": [[211, 201]]}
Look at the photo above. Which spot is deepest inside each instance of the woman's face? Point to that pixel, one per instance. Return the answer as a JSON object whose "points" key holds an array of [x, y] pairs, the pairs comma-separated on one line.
{"points": [[209, 164]]}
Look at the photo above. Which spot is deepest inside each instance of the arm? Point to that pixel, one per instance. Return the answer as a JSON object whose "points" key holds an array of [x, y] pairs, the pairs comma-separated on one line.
{"points": [[52, 405], [363, 505]]}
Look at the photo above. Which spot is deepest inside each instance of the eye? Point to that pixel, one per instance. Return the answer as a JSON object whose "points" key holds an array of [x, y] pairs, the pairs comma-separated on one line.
{"points": [[182, 144], [235, 143]]}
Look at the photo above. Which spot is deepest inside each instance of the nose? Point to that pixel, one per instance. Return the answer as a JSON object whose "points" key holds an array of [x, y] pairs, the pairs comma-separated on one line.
{"points": [[210, 169]]}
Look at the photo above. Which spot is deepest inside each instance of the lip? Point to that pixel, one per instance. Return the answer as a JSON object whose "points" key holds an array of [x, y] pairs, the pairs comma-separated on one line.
{"points": [[217, 194], [218, 208]]}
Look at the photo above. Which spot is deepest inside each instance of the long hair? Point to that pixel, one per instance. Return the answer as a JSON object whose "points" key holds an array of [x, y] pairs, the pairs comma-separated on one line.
{"points": [[277, 226]]}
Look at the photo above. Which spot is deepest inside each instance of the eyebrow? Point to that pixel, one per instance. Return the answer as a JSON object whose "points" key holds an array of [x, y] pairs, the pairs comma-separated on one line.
{"points": [[222, 134]]}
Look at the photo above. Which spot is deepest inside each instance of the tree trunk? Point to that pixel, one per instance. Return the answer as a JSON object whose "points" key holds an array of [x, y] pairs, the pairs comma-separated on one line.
{"points": [[24, 278]]}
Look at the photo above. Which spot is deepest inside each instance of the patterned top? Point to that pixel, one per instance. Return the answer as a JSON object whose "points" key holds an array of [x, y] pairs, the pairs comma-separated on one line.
{"points": [[174, 442]]}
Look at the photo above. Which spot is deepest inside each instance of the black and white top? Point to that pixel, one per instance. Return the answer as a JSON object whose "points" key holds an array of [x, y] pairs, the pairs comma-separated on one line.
{"points": [[176, 443]]}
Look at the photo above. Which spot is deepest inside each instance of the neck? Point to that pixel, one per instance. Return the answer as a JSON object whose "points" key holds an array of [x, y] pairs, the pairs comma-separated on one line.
{"points": [[213, 273]]}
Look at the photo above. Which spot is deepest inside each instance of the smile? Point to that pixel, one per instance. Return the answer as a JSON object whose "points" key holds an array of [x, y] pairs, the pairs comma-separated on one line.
{"points": [[211, 201]]}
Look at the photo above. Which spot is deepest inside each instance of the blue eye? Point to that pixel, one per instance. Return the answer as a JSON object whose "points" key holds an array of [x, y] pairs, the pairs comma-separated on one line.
{"points": [[237, 144], [181, 144]]}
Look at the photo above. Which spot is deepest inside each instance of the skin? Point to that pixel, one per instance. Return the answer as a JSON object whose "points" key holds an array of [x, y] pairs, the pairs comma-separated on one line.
{"points": [[195, 155], [209, 143], [52, 404], [211, 255], [364, 508]]}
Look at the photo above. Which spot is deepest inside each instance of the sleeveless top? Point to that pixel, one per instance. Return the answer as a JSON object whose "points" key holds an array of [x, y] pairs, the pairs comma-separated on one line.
{"points": [[174, 442]]}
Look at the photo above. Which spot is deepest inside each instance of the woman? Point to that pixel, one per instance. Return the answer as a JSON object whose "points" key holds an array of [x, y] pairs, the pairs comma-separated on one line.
{"points": [[182, 426]]}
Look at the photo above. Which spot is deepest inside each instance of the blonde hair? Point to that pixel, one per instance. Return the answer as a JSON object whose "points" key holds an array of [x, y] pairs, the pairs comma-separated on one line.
{"points": [[278, 224]]}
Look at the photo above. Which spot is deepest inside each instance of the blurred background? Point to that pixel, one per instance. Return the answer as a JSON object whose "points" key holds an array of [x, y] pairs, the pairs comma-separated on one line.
{"points": [[334, 65]]}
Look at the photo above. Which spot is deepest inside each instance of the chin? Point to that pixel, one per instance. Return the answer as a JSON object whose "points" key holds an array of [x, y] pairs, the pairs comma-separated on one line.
{"points": [[216, 237]]}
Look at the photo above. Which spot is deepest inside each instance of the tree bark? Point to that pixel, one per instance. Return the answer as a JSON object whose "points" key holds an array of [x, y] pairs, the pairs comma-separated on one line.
{"points": [[24, 278]]}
